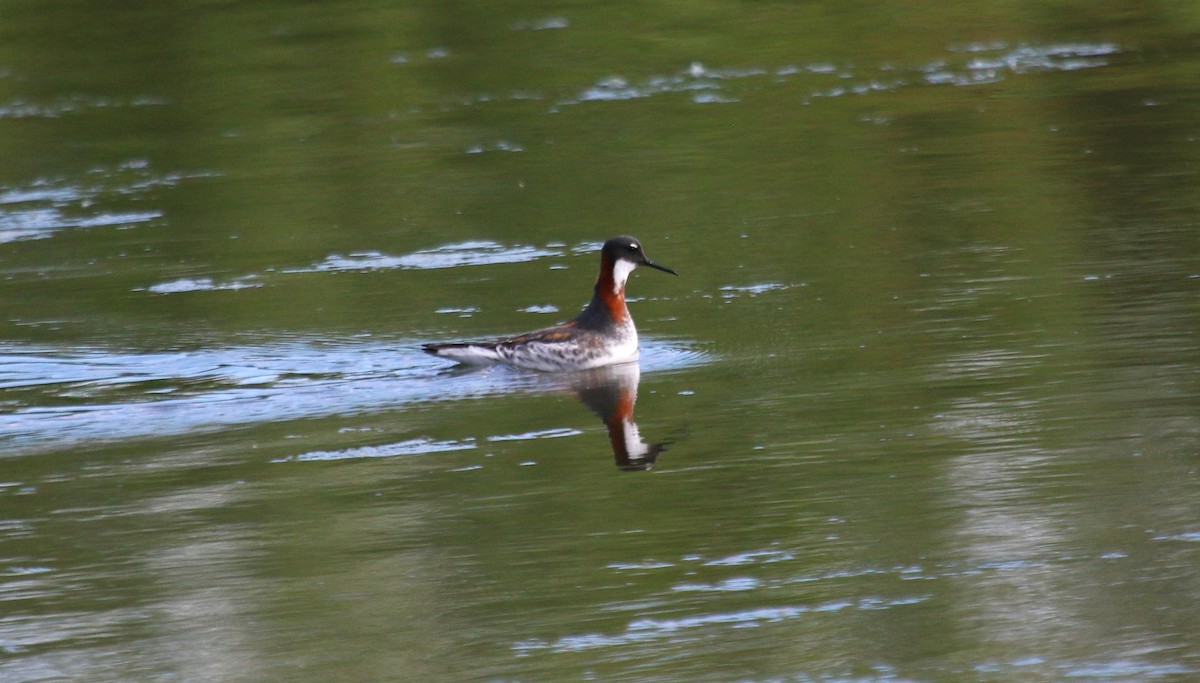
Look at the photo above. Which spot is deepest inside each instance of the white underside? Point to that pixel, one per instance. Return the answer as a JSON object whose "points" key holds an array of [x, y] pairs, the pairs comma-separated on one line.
{"points": [[471, 355], [555, 357], [559, 356]]}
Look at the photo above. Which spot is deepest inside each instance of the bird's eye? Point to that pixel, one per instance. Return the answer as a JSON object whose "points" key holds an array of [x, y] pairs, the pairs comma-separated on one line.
{"points": [[631, 247]]}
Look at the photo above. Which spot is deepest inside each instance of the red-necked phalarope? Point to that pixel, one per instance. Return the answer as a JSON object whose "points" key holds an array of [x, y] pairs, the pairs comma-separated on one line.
{"points": [[603, 334]]}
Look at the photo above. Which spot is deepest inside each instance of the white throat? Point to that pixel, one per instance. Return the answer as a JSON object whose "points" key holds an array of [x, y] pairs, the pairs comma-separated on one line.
{"points": [[621, 271]]}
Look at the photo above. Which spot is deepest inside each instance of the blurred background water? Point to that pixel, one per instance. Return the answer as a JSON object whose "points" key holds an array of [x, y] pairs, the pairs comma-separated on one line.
{"points": [[922, 406]]}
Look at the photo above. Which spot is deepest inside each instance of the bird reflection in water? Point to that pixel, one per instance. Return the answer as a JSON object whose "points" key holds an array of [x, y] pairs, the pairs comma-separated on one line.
{"points": [[611, 393]]}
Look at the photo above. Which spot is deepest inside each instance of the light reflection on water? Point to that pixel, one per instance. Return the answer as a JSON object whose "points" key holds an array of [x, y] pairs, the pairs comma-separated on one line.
{"points": [[46, 206], [90, 396], [970, 65], [476, 253], [938, 420], [457, 255]]}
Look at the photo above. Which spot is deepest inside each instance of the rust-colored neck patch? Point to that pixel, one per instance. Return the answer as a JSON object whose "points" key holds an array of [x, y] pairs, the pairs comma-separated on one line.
{"points": [[611, 292]]}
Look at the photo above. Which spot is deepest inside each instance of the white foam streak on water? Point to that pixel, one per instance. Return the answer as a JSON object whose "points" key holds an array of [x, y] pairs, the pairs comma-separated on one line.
{"points": [[653, 628], [556, 433], [202, 284], [474, 253], [459, 254], [90, 396], [408, 447], [40, 223], [975, 64], [44, 207]]}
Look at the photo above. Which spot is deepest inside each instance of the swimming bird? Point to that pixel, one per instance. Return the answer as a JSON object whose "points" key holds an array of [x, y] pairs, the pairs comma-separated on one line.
{"points": [[603, 334]]}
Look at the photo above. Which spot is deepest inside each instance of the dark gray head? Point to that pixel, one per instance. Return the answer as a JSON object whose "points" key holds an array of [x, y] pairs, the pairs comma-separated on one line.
{"points": [[626, 249]]}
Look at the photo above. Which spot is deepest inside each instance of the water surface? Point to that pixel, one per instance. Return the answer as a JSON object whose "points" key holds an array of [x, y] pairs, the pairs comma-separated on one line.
{"points": [[922, 405]]}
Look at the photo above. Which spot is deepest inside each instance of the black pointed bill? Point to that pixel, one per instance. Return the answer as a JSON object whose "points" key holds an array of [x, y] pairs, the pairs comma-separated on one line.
{"points": [[652, 264]]}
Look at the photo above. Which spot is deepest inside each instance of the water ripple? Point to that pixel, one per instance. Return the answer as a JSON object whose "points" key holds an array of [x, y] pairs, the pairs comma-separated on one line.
{"points": [[969, 65], [472, 253], [455, 255], [46, 206], [556, 433], [53, 399], [203, 284], [653, 628], [60, 106], [408, 447]]}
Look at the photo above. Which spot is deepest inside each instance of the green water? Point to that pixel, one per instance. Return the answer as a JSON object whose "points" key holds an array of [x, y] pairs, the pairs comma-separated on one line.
{"points": [[922, 403]]}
